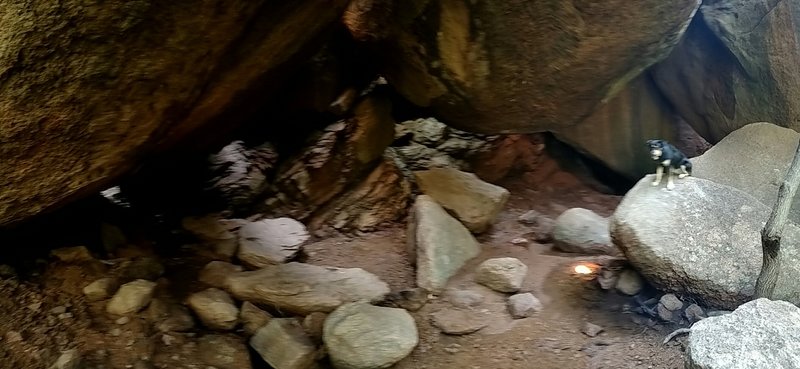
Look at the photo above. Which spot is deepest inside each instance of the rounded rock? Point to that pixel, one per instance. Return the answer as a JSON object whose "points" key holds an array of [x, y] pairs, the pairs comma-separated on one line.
{"points": [[362, 336], [502, 274]]}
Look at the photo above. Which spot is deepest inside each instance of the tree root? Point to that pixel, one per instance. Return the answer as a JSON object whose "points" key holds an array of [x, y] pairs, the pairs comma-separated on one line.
{"points": [[675, 333]]}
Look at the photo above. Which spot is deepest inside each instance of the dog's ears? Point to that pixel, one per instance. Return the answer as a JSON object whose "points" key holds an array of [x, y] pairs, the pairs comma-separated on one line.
{"points": [[654, 142]]}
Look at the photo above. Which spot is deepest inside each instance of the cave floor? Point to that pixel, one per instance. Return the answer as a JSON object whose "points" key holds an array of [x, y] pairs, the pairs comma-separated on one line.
{"points": [[551, 338]]}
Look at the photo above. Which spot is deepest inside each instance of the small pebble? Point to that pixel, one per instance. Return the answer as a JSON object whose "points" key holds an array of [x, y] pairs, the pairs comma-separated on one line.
{"points": [[591, 330], [115, 332], [65, 316], [123, 320], [453, 348], [519, 241], [58, 310], [167, 339]]}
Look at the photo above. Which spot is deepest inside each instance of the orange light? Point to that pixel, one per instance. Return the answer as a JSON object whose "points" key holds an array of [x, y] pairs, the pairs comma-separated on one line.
{"points": [[583, 269]]}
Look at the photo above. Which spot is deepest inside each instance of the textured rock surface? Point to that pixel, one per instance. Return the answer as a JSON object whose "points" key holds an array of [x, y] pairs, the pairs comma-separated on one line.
{"points": [[224, 352], [131, 297], [426, 143], [270, 241], [362, 336], [759, 334], [499, 67], [140, 77], [215, 309], [474, 202], [770, 149], [304, 288], [501, 274], [739, 63], [215, 272], [382, 196], [672, 237], [459, 321], [282, 343], [336, 158], [253, 318], [438, 243], [523, 305], [100, 289]]}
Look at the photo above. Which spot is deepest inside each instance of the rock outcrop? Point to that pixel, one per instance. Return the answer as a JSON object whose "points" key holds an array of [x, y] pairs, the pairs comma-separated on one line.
{"points": [[136, 79], [517, 67], [738, 63], [701, 239]]}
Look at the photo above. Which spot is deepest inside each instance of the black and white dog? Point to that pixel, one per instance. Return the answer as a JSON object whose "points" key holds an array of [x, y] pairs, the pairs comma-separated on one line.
{"points": [[669, 158]]}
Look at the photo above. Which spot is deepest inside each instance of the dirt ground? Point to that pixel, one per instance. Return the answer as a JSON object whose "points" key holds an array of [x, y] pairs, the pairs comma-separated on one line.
{"points": [[45, 312]]}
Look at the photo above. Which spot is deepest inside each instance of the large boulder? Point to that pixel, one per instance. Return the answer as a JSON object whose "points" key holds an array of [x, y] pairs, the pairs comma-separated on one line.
{"points": [[738, 63], [89, 88], [615, 132], [701, 239], [754, 159], [504, 67], [759, 334]]}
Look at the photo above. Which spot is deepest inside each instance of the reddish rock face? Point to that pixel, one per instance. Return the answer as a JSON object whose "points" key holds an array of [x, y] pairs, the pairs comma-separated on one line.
{"points": [[87, 90]]}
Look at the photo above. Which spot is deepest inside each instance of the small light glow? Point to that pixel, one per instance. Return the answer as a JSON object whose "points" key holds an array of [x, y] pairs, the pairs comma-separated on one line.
{"points": [[583, 269]]}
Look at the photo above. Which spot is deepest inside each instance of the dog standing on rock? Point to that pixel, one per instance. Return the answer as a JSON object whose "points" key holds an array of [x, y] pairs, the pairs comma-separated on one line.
{"points": [[669, 158]]}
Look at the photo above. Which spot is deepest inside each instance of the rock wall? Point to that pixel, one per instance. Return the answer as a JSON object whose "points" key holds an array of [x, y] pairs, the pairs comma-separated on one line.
{"points": [[524, 67], [89, 89], [615, 133], [739, 63]]}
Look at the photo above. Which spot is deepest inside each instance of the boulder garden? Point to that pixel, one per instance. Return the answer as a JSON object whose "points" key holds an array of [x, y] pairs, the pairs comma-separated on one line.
{"points": [[672, 237]]}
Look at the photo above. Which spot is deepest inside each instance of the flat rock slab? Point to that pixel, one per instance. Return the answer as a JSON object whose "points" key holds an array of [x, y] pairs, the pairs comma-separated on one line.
{"points": [[438, 243], [759, 334], [701, 239], [474, 202], [270, 241], [459, 321], [304, 288]]}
